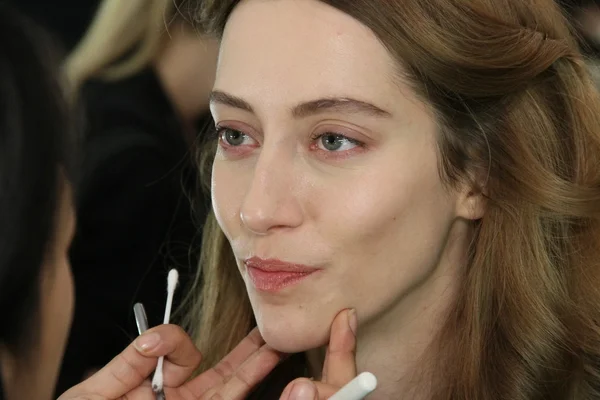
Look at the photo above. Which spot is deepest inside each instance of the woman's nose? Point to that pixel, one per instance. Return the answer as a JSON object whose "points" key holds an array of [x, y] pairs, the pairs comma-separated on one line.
{"points": [[270, 202]]}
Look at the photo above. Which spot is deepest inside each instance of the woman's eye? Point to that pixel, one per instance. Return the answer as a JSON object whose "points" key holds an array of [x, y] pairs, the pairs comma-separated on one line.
{"points": [[335, 142], [233, 137]]}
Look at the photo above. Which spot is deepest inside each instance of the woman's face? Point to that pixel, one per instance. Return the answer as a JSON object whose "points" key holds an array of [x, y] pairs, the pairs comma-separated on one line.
{"points": [[326, 178]]}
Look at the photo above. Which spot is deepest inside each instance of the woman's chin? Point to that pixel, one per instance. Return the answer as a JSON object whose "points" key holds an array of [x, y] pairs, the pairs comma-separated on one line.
{"points": [[292, 338]]}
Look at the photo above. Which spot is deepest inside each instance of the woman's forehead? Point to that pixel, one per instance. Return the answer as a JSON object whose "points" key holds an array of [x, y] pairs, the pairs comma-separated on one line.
{"points": [[301, 51]]}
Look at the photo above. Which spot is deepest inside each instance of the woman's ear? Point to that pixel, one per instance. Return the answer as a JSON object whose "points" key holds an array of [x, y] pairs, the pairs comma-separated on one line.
{"points": [[471, 205], [472, 200]]}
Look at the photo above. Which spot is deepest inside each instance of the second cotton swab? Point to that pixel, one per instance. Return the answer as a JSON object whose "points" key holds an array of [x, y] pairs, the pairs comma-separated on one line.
{"points": [[157, 380]]}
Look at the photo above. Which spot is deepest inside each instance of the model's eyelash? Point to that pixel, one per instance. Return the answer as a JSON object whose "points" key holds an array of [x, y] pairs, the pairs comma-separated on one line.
{"points": [[317, 136], [219, 130], [213, 133]]}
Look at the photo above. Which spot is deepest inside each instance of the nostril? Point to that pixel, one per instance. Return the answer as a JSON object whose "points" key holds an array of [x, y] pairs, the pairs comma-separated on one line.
{"points": [[253, 224]]}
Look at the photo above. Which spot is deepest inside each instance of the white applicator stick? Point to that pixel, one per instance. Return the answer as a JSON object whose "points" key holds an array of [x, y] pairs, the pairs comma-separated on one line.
{"points": [[157, 380], [358, 388]]}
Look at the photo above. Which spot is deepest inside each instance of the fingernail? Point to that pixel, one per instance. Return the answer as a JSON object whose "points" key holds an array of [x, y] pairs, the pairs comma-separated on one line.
{"points": [[352, 321], [147, 342], [303, 390]]}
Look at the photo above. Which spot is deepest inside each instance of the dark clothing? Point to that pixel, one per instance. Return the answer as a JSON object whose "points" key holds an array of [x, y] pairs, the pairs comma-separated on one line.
{"points": [[134, 218], [273, 386]]}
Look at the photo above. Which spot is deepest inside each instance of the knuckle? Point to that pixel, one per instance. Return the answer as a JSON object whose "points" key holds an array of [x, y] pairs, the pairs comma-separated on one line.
{"points": [[170, 330], [212, 394], [255, 338], [244, 378], [124, 370], [224, 369], [176, 339]]}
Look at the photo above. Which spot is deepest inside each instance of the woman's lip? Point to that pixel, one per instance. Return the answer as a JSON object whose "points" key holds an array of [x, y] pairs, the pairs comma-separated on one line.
{"points": [[272, 265], [272, 275], [274, 281]]}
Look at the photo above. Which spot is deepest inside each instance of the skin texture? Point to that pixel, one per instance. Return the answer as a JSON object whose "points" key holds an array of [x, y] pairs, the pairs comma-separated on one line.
{"points": [[367, 208]]}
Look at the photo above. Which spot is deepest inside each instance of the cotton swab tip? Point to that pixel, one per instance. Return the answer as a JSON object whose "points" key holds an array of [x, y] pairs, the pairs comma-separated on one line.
{"points": [[367, 381], [358, 388], [172, 280], [157, 379]]}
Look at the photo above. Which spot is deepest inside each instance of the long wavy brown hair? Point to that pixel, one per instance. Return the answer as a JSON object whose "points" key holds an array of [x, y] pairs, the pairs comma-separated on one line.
{"points": [[516, 105]]}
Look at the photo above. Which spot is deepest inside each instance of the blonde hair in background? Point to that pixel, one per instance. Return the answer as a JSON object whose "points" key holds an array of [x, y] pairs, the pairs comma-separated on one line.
{"points": [[123, 38]]}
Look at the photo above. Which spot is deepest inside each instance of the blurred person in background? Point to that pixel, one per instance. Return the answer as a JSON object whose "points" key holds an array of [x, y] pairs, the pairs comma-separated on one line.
{"points": [[143, 75]]}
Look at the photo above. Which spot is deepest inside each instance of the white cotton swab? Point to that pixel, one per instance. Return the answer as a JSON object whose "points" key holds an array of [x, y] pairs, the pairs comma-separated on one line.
{"points": [[157, 380], [358, 388]]}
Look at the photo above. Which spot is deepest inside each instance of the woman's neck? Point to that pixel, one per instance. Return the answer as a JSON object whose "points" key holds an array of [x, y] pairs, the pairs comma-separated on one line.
{"points": [[396, 351], [395, 345]]}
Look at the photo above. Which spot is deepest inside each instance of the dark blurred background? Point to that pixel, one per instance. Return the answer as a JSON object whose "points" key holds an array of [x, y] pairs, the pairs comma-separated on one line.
{"points": [[66, 19]]}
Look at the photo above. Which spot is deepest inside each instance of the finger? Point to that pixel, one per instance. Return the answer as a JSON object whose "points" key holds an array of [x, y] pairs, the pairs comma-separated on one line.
{"points": [[129, 369], [182, 357], [142, 392], [218, 374], [238, 384], [305, 389], [340, 362], [325, 367], [241, 370], [250, 374]]}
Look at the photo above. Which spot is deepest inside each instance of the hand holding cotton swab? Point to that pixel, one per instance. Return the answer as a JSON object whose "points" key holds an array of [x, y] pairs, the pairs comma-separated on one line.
{"points": [[157, 380]]}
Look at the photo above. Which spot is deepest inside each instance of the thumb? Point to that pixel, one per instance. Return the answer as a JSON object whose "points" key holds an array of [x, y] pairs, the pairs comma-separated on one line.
{"points": [[301, 389], [129, 369]]}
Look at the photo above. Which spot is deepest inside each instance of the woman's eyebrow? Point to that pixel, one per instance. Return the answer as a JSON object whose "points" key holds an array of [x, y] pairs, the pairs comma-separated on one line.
{"points": [[332, 104]]}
